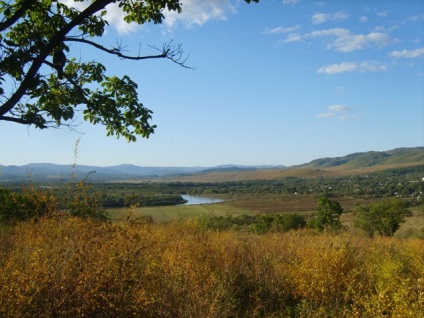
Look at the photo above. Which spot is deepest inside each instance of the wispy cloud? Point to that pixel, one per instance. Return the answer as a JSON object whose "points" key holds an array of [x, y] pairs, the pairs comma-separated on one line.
{"points": [[416, 18], [384, 14], [290, 2], [114, 16], [293, 37], [367, 66], [338, 110], [199, 12], [363, 19], [280, 29], [194, 13], [345, 41], [319, 18], [325, 115], [408, 53]]}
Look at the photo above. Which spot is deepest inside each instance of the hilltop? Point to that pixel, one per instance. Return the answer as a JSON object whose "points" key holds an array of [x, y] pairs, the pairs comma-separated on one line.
{"points": [[356, 163]]}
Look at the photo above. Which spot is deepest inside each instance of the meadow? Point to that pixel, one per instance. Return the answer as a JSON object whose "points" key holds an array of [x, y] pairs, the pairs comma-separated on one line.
{"points": [[73, 267], [208, 260]]}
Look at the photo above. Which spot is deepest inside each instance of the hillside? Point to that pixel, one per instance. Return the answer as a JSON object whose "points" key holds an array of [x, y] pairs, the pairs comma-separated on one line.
{"points": [[400, 157], [355, 163]]}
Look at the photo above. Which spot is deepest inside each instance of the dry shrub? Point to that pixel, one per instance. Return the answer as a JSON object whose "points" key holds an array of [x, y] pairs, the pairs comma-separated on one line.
{"points": [[76, 267]]}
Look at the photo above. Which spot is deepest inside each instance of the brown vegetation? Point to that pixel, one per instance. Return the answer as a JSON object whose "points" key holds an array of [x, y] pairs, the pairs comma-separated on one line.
{"points": [[73, 267], [269, 203]]}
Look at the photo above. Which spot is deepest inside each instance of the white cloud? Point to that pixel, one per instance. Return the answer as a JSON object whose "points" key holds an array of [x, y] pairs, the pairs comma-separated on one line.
{"points": [[293, 37], [281, 29], [325, 115], [340, 89], [371, 66], [114, 15], [383, 14], [290, 2], [324, 17], [196, 12], [408, 53], [416, 18], [363, 19], [366, 66], [345, 41], [339, 108], [338, 68]]}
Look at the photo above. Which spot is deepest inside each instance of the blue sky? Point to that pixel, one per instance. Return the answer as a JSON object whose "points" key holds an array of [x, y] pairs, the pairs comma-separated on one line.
{"points": [[278, 82]]}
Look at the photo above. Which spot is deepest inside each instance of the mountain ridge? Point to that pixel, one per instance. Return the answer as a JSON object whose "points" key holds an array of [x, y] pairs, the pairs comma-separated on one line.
{"points": [[360, 161]]}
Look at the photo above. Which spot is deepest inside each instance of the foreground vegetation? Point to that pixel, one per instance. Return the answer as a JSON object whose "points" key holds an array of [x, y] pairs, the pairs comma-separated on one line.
{"points": [[81, 267], [269, 252]]}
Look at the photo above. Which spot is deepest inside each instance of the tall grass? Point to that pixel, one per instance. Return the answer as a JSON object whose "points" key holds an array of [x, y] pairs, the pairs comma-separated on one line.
{"points": [[73, 267]]}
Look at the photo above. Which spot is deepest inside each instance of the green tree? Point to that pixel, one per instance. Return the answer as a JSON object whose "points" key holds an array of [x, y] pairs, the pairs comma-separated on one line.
{"points": [[328, 215], [48, 85], [383, 218]]}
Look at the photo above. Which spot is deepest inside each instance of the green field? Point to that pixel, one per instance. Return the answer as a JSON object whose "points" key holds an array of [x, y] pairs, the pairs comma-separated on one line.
{"points": [[178, 212]]}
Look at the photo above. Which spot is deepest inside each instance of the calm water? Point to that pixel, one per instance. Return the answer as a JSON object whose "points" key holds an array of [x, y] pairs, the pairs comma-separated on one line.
{"points": [[194, 199]]}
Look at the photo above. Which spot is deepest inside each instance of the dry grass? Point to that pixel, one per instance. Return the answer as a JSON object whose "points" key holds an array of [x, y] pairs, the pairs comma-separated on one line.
{"points": [[288, 203], [83, 268]]}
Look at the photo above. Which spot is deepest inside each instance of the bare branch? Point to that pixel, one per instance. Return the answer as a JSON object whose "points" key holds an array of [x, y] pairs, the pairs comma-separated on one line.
{"points": [[169, 51], [115, 51], [174, 53]]}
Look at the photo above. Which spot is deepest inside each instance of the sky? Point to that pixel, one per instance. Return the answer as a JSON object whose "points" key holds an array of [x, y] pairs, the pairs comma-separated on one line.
{"points": [[279, 82]]}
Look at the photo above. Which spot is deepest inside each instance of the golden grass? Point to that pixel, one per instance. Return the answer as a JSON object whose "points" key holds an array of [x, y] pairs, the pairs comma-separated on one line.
{"points": [[82, 268], [299, 172]]}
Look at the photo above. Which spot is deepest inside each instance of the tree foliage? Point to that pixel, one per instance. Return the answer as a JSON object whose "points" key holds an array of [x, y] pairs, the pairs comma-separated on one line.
{"points": [[328, 215], [46, 86], [383, 218]]}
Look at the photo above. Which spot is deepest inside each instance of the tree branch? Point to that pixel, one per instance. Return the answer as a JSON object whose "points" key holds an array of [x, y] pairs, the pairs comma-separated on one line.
{"points": [[57, 38], [115, 51], [17, 15], [174, 53], [15, 120]]}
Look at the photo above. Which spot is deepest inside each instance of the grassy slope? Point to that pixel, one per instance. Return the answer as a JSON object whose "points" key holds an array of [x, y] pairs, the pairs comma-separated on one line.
{"points": [[352, 164]]}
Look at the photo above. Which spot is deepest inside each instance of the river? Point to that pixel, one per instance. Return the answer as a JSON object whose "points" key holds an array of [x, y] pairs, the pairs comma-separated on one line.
{"points": [[195, 200]]}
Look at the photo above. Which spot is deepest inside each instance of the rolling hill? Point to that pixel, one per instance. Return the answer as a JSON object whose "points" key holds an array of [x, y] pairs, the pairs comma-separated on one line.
{"points": [[365, 160], [355, 163]]}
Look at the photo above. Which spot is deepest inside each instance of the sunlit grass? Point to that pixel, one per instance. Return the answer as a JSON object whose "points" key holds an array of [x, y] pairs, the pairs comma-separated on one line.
{"points": [[73, 267], [178, 212]]}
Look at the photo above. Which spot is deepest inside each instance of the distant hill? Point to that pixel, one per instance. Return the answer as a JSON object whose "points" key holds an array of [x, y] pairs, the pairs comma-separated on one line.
{"points": [[356, 163], [350, 164], [48, 172], [372, 159]]}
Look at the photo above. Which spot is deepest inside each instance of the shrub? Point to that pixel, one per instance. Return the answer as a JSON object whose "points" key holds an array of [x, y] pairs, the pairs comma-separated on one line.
{"points": [[328, 216], [85, 204], [32, 203], [278, 223], [383, 218]]}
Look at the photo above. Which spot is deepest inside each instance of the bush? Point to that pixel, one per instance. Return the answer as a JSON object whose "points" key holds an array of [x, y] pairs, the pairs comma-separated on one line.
{"points": [[85, 204], [76, 267], [383, 218], [278, 223], [32, 203], [328, 216]]}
